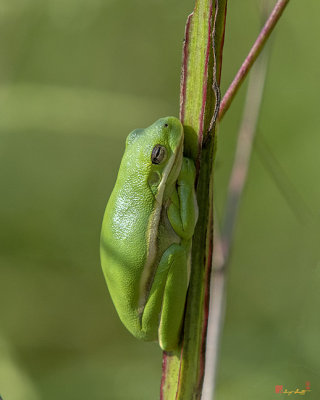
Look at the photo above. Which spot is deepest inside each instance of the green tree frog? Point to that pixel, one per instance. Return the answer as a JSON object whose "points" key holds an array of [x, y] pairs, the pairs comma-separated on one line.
{"points": [[146, 233]]}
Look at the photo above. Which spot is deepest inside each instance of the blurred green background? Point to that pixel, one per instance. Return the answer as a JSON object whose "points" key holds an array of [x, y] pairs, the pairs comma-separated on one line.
{"points": [[76, 77]]}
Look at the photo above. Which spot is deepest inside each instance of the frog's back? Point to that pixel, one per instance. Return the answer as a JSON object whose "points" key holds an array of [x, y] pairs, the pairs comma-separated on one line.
{"points": [[125, 221], [124, 242]]}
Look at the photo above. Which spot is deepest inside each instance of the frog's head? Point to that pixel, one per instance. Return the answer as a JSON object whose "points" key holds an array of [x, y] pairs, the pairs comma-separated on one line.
{"points": [[158, 152]]}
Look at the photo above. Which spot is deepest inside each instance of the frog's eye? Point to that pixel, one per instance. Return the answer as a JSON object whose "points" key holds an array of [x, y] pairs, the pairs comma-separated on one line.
{"points": [[158, 154]]}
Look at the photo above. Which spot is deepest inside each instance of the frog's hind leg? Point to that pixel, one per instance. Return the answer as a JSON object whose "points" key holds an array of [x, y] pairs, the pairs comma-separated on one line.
{"points": [[174, 298], [164, 310]]}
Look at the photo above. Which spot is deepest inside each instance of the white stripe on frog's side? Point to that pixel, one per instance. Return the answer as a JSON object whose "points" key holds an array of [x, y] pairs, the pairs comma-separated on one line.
{"points": [[153, 228]]}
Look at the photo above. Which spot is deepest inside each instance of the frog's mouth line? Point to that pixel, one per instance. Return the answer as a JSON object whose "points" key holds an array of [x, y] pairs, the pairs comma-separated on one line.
{"points": [[172, 169]]}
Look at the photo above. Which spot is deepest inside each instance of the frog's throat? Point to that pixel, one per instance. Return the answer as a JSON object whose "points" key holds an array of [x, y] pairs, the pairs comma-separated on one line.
{"points": [[147, 276]]}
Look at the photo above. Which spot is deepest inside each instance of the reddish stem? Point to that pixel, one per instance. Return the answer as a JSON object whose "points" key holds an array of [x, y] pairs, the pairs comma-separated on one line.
{"points": [[253, 54]]}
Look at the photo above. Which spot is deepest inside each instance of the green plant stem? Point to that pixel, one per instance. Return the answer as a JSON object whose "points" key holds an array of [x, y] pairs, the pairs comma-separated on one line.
{"points": [[202, 54]]}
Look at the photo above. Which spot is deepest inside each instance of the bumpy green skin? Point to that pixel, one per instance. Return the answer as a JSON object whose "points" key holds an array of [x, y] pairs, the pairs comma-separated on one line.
{"points": [[146, 234]]}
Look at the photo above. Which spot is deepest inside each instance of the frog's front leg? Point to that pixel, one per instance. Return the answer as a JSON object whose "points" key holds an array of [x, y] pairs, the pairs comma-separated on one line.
{"points": [[183, 209], [165, 306]]}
